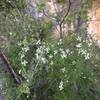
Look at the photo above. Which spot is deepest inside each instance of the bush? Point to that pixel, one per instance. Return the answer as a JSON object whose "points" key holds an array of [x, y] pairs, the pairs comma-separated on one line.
{"points": [[62, 70]]}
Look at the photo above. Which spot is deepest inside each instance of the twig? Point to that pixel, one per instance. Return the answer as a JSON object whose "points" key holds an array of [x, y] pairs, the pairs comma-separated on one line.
{"points": [[61, 22], [51, 19], [66, 12], [16, 78]]}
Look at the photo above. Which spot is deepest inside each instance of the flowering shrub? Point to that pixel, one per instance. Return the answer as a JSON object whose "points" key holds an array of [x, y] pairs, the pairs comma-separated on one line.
{"points": [[65, 69], [62, 70]]}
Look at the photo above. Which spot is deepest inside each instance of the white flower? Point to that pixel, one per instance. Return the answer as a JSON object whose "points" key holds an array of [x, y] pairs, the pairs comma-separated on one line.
{"points": [[24, 62], [67, 50], [79, 38], [60, 42], [37, 56], [63, 55], [63, 52], [79, 45], [79, 51], [51, 63], [22, 56], [43, 47], [61, 86], [71, 52], [50, 56], [84, 77], [44, 60], [19, 43], [11, 33], [19, 71], [63, 69], [84, 41], [87, 56], [47, 49], [9, 1], [38, 42], [17, 20], [25, 49], [61, 49], [27, 96], [83, 52], [55, 52], [27, 80], [67, 81], [89, 44], [39, 50]]}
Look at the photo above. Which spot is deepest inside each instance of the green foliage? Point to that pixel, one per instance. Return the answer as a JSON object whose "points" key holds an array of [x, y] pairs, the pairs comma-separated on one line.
{"points": [[45, 29], [63, 69], [5, 4], [23, 88], [83, 13], [8, 5]]}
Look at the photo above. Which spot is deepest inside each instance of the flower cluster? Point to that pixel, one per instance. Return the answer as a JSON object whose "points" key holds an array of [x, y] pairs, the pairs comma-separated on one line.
{"points": [[56, 55], [61, 85], [79, 38], [63, 53], [85, 53], [81, 50], [24, 50], [41, 53], [22, 55], [60, 42]]}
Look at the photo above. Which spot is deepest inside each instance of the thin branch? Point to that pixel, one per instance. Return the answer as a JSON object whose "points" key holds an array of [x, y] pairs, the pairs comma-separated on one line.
{"points": [[69, 7], [61, 22], [55, 8], [12, 72], [50, 19], [48, 16]]}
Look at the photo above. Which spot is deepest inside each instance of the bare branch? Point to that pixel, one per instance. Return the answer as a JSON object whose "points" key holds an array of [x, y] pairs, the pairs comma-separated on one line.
{"points": [[50, 19], [55, 8], [66, 12], [61, 22], [13, 74]]}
